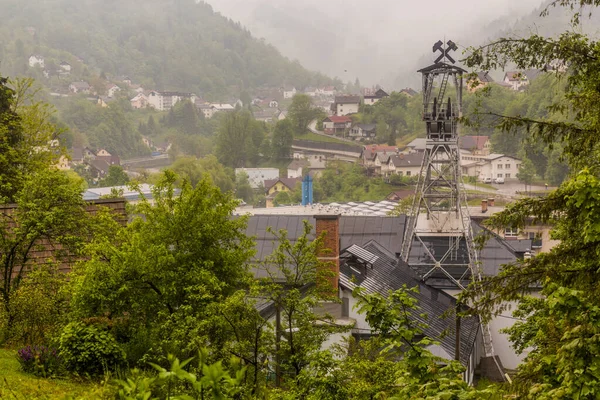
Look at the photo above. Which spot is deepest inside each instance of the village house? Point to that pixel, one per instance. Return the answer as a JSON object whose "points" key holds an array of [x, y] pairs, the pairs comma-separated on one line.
{"points": [[310, 91], [139, 101], [257, 176], [367, 152], [336, 125], [416, 145], [345, 105], [518, 80], [104, 101], [408, 92], [273, 104], [475, 145], [363, 131], [481, 80], [36, 60], [364, 252], [80, 87], [112, 89], [64, 68], [288, 92], [372, 98], [273, 186], [222, 107], [164, 101], [492, 166], [405, 164], [297, 168], [326, 91]]}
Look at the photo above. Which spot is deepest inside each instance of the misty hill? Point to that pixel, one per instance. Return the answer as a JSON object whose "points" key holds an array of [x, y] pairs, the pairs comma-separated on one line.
{"points": [[162, 44], [374, 41], [517, 25]]}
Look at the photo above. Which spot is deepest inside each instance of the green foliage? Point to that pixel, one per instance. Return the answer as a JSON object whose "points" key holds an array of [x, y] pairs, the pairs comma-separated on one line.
{"points": [[195, 170], [282, 138], [49, 207], [26, 132], [243, 190], [239, 139], [212, 382], [297, 282], [116, 177], [39, 306], [89, 349], [185, 37], [160, 277], [343, 182], [301, 112]]}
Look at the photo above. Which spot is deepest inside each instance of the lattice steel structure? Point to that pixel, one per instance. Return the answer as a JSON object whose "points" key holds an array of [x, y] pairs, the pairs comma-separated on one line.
{"points": [[438, 242]]}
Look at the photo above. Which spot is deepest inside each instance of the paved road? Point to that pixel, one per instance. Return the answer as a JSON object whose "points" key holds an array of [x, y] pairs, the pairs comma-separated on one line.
{"points": [[313, 128], [508, 189]]}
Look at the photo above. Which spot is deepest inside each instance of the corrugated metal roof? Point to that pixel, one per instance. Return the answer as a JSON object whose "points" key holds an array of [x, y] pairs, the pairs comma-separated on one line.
{"points": [[390, 273]]}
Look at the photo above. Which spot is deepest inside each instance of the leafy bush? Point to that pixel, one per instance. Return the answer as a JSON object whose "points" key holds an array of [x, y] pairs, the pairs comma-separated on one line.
{"points": [[87, 349], [40, 360]]}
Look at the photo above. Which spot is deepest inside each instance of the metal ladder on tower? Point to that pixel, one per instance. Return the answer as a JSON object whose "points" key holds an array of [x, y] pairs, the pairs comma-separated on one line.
{"points": [[443, 86]]}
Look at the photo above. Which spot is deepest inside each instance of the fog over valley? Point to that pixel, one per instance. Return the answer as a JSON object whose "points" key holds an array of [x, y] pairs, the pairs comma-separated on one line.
{"points": [[377, 41]]}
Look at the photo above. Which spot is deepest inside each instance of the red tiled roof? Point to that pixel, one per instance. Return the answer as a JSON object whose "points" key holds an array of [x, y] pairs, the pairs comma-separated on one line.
{"points": [[339, 119]]}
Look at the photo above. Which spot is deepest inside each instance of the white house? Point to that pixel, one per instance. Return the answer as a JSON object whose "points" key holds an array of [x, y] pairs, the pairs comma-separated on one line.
{"points": [[288, 92], [206, 110], [139, 101], [374, 97], [515, 79], [345, 105], [112, 89], [256, 176], [36, 60], [164, 101], [363, 131], [273, 104], [65, 68], [80, 87], [405, 164], [327, 91], [493, 166], [222, 107], [296, 168]]}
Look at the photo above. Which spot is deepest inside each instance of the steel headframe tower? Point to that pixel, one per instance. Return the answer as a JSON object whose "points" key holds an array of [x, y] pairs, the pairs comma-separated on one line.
{"points": [[438, 241]]}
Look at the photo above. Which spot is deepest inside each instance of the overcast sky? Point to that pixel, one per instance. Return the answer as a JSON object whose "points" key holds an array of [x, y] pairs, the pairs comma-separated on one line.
{"points": [[374, 40]]}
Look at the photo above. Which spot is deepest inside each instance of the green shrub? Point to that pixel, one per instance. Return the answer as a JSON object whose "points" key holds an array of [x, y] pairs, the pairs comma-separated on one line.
{"points": [[87, 349]]}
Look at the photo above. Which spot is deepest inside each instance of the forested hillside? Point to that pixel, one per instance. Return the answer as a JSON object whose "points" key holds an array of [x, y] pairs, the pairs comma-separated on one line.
{"points": [[164, 45]]}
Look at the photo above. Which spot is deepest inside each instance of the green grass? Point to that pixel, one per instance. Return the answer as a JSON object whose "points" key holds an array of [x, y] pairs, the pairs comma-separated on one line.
{"points": [[320, 138], [17, 385], [483, 185]]}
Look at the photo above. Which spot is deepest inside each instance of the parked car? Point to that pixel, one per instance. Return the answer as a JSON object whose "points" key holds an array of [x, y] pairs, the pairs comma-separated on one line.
{"points": [[487, 180], [499, 180]]}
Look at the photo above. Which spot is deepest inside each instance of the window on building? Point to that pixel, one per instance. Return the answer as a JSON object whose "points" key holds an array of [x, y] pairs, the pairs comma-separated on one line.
{"points": [[507, 175], [511, 233], [407, 173], [499, 176], [518, 166], [499, 166], [507, 166], [536, 239]]}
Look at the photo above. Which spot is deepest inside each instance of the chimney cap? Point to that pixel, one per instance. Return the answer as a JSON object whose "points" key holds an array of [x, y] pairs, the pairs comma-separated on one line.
{"points": [[327, 216]]}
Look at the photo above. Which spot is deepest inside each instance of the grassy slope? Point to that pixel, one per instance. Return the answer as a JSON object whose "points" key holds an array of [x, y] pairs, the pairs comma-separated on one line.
{"points": [[15, 384]]}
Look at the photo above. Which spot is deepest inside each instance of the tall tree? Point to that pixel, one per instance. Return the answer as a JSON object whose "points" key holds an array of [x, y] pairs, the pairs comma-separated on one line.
{"points": [[49, 208], [239, 139], [282, 139], [560, 327], [167, 271], [301, 112]]}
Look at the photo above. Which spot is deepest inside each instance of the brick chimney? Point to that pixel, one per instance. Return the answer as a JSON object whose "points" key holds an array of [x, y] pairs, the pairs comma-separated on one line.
{"points": [[484, 206], [330, 225], [491, 201]]}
